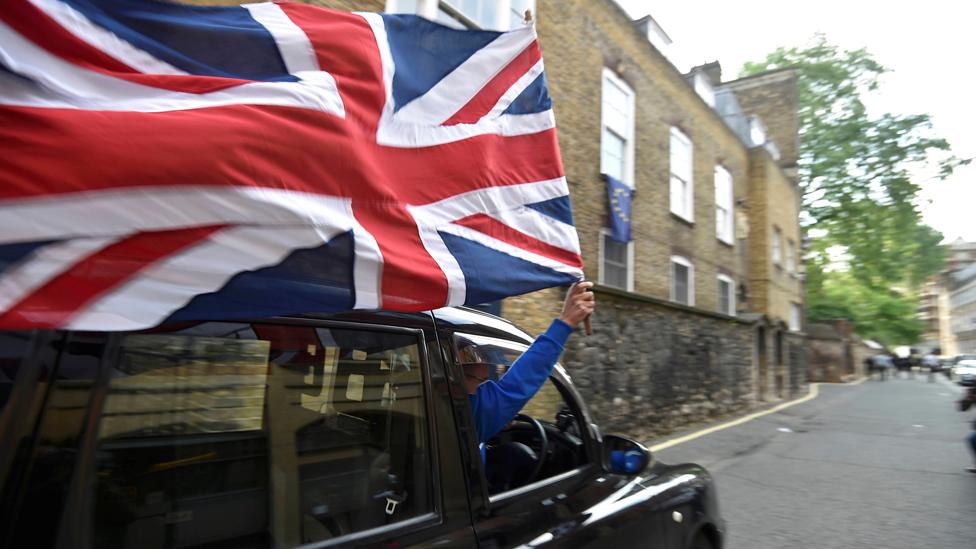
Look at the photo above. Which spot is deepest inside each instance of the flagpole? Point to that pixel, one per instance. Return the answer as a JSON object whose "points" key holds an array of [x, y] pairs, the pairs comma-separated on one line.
{"points": [[587, 325]]}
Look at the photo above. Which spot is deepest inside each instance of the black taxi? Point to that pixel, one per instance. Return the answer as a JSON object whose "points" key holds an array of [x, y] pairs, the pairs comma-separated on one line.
{"points": [[317, 431]]}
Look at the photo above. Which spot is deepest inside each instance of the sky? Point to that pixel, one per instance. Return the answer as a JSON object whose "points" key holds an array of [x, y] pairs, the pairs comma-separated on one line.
{"points": [[928, 46]]}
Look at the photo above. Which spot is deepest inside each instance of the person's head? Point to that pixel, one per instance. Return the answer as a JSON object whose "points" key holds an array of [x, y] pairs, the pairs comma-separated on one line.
{"points": [[475, 373]]}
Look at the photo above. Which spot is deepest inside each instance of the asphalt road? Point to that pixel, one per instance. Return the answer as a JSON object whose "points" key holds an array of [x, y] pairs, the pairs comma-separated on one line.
{"points": [[872, 465]]}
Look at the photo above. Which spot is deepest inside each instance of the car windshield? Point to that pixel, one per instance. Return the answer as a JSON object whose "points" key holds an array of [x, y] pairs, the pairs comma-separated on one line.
{"points": [[961, 358]]}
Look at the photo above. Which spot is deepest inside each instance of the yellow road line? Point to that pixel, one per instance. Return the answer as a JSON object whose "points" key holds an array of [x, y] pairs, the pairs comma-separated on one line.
{"points": [[814, 391]]}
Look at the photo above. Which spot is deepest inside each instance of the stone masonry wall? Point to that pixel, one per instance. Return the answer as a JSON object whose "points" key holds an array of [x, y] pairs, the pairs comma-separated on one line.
{"points": [[652, 367], [796, 364], [828, 359], [835, 353]]}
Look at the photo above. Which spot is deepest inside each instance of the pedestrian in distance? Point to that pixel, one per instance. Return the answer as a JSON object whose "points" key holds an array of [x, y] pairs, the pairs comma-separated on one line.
{"points": [[883, 364], [931, 362]]}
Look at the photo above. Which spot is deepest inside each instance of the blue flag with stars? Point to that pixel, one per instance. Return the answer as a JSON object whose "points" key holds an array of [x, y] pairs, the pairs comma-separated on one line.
{"points": [[619, 196]]}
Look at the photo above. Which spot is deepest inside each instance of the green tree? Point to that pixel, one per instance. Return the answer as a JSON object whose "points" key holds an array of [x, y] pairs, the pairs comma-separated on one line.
{"points": [[859, 195]]}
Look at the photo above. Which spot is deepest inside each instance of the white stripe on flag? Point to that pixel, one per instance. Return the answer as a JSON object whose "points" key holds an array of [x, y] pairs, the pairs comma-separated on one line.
{"points": [[77, 24], [398, 134], [514, 251], [463, 83], [395, 133], [375, 22], [294, 45], [124, 211], [523, 82], [489, 200], [43, 265], [61, 84], [368, 268], [456, 285], [155, 292], [541, 227]]}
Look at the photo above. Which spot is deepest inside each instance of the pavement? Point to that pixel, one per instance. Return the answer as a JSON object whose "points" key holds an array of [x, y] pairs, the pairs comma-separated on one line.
{"points": [[863, 465]]}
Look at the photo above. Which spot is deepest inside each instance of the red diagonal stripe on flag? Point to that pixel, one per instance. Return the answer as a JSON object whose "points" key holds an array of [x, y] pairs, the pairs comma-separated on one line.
{"points": [[345, 45], [55, 303], [482, 103], [412, 280], [54, 151], [500, 231]]}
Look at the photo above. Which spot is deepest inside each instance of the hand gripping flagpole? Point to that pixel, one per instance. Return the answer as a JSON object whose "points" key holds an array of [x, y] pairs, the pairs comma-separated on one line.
{"points": [[587, 325]]}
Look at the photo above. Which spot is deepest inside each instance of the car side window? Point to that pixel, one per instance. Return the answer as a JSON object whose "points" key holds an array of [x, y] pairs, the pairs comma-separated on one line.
{"points": [[70, 366], [564, 448], [300, 434]]}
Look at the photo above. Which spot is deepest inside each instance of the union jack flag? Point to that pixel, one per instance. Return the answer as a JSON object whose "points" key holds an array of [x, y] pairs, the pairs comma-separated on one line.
{"points": [[171, 162]]}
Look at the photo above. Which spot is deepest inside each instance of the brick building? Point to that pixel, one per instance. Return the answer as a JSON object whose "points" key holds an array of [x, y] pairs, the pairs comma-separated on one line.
{"points": [[942, 303], [700, 312], [694, 316], [962, 303]]}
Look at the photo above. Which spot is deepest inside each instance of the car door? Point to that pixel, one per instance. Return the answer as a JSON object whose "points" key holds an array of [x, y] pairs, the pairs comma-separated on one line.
{"points": [[573, 503], [272, 433]]}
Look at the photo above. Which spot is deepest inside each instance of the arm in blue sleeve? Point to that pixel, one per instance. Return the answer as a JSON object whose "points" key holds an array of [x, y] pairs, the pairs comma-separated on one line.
{"points": [[494, 404]]}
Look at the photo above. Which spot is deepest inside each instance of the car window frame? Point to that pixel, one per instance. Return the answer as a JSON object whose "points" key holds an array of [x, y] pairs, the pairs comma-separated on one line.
{"points": [[560, 380], [575, 403], [78, 505], [28, 419]]}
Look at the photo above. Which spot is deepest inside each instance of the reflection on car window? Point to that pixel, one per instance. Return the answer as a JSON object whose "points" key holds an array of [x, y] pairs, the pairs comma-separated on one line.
{"points": [[51, 464], [13, 346], [300, 434]]}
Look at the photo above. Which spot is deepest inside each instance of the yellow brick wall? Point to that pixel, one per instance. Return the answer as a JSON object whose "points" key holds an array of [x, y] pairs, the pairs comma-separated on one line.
{"points": [[773, 97], [774, 202], [576, 49]]}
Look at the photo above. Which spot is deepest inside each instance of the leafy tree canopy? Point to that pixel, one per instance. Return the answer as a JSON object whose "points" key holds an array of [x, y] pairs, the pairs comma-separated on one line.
{"points": [[860, 192]]}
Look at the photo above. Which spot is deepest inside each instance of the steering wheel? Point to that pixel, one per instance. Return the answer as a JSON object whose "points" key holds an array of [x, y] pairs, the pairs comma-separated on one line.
{"points": [[543, 445]]}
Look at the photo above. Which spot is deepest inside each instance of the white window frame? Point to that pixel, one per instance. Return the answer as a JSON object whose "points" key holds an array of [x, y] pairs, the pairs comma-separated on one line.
{"points": [[604, 232], [724, 198], [705, 89], [757, 131], [626, 132], [790, 257], [686, 209], [727, 279], [431, 9], [683, 261], [776, 245], [796, 317]]}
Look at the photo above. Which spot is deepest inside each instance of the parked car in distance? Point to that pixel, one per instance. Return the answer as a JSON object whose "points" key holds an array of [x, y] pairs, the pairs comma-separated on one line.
{"points": [[964, 370], [351, 429]]}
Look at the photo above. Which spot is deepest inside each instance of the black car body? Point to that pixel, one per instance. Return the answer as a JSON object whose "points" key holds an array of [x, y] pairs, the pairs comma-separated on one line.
{"points": [[338, 430]]}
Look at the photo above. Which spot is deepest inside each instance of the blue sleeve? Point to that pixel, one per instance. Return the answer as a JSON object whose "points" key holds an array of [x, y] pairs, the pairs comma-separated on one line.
{"points": [[494, 404]]}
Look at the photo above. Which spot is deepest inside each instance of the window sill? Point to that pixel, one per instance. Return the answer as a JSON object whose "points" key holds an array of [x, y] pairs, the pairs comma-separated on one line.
{"points": [[683, 219], [730, 244]]}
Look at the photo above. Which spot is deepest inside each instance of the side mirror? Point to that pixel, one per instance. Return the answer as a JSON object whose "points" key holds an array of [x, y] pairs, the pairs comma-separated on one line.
{"points": [[624, 456]]}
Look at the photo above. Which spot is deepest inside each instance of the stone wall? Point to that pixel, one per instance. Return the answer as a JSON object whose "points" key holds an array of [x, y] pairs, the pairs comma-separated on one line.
{"points": [[859, 352], [652, 367], [835, 353], [796, 364]]}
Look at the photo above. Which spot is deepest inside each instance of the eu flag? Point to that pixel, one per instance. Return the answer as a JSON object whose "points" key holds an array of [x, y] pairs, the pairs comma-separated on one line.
{"points": [[619, 196]]}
